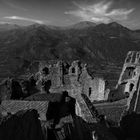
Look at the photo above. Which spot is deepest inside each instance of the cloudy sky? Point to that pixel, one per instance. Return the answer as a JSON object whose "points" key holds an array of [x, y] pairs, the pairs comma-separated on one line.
{"points": [[67, 12]]}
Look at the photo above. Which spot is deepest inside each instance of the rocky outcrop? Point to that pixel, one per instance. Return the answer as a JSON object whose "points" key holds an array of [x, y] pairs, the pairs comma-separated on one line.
{"points": [[21, 126]]}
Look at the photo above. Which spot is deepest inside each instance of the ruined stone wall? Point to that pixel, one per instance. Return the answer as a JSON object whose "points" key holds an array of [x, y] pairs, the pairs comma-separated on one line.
{"points": [[131, 67], [86, 83], [101, 89], [133, 57], [53, 73], [130, 74], [128, 84], [67, 80], [75, 81], [94, 88]]}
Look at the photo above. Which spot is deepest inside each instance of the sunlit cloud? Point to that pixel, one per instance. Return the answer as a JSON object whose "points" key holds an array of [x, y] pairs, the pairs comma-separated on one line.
{"points": [[100, 12], [26, 19]]}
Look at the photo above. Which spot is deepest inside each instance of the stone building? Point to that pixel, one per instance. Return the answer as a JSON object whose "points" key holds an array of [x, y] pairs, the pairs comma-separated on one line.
{"points": [[74, 78], [128, 85], [130, 72]]}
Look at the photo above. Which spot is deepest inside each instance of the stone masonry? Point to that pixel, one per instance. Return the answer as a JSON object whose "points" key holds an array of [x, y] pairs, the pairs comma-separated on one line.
{"points": [[73, 78], [128, 83]]}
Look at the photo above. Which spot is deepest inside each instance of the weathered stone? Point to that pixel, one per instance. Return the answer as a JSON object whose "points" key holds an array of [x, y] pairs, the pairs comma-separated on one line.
{"points": [[74, 78], [129, 83]]}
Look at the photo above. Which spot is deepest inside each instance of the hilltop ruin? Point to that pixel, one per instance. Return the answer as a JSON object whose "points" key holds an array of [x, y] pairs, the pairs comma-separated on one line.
{"points": [[73, 78], [54, 78]]}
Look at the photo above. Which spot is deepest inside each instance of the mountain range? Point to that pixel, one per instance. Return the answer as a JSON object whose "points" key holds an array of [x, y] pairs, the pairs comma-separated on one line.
{"points": [[103, 47]]}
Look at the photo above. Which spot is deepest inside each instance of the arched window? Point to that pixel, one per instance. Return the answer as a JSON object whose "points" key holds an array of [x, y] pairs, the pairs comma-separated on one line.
{"points": [[131, 87], [134, 73]]}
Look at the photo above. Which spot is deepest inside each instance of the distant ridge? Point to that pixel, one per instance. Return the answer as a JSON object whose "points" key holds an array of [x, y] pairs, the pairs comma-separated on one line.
{"points": [[102, 46], [7, 26], [83, 24]]}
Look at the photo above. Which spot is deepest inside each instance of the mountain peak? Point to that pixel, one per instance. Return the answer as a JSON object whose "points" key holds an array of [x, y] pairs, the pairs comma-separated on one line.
{"points": [[115, 24], [37, 25], [83, 24], [8, 26]]}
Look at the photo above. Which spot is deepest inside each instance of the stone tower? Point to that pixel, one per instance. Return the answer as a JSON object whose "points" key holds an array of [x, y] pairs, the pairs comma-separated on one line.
{"points": [[129, 78], [130, 72]]}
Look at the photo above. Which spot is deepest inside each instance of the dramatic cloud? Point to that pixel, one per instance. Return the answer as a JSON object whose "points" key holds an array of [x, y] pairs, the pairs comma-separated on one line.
{"points": [[26, 19], [100, 12]]}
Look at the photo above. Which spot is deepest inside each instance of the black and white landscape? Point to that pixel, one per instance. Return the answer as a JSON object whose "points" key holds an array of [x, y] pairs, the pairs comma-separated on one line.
{"points": [[69, 70]]}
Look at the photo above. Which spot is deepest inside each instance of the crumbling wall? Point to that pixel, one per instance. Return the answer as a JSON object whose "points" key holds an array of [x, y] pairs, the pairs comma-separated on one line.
{"points": [[129, 76], [133, 57], [93, 87], [50, 72], [69, 77], [128, 84]]}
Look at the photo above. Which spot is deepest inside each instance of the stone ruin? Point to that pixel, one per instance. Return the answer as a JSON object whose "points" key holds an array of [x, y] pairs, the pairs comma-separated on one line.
{"points": [[55, 77], [128, 85], [58, 76], [74, 78]]}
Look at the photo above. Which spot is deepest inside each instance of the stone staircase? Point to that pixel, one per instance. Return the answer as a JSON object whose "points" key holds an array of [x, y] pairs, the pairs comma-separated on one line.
{"points": [[85, 110]]}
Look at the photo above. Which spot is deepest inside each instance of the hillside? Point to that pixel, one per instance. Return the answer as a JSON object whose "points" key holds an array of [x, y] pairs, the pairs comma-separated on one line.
{"points": [[102, 46]]}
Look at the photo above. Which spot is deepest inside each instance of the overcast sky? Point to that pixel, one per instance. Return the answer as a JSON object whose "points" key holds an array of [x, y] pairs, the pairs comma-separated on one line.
{"points": [[67, 12]]}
